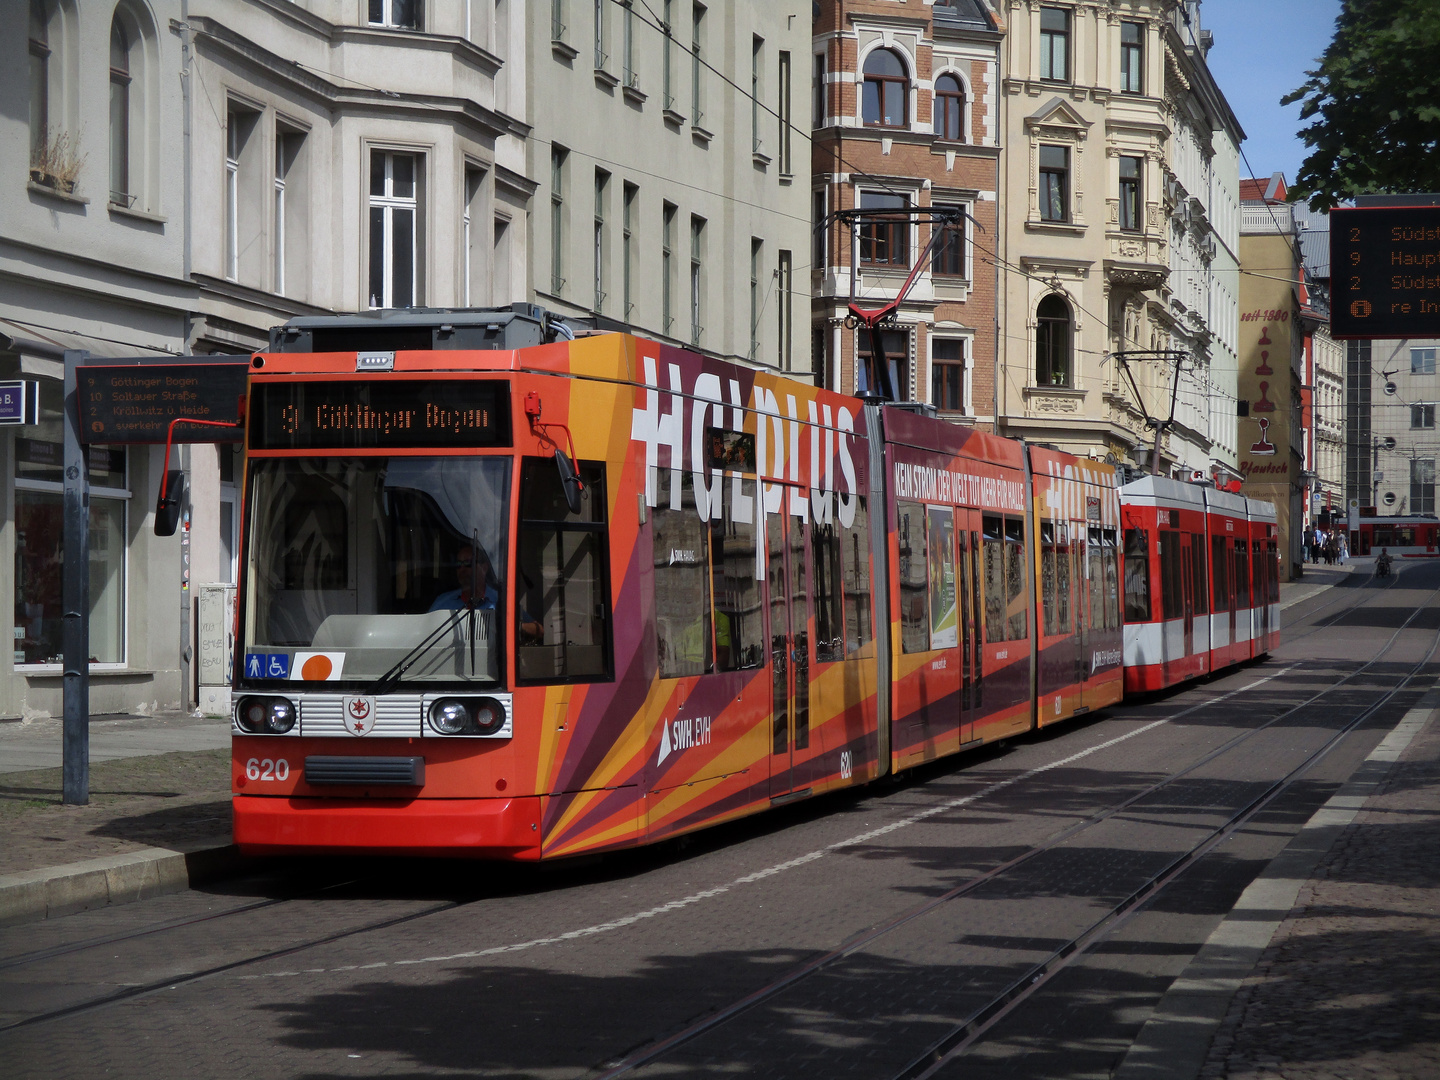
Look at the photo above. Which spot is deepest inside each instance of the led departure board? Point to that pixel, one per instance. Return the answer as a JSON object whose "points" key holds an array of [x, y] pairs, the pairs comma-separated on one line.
{"points": [[1385, 272], [135, 403], [379, 414]]}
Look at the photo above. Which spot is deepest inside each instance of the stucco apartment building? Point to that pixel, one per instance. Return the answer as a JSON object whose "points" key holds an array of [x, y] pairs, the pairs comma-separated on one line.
{"points": [[1272, 352], [1119, 191], [671, 172], [906, 114]]}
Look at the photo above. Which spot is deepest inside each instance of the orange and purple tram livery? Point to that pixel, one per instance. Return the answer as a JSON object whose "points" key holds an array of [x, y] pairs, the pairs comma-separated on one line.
{"points": [[506, 593]]}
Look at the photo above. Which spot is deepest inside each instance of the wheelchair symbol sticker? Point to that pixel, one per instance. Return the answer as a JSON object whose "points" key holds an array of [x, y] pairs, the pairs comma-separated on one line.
{"points": [[277, 666]]}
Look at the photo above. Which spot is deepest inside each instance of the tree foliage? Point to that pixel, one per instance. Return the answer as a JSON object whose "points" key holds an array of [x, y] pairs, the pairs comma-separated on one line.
{"points": [[1376, 102]]}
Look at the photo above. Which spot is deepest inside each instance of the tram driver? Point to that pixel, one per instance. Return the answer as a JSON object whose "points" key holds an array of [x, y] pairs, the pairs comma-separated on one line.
{"points": [[473, 574]]}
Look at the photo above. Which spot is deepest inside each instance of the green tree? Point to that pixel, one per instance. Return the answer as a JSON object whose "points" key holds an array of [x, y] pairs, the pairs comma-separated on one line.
{"points": [[1376, 100]]}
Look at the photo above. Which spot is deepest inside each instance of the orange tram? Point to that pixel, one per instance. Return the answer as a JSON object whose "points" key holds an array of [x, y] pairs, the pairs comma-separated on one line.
{"points": [[505, 593]]}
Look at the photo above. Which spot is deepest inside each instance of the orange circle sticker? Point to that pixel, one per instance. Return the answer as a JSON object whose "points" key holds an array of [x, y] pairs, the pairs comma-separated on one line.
{"points": [[317, 669]]}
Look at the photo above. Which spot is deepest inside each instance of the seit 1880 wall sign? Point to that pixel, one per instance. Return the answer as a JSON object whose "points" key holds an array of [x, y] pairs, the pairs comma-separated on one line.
{"points": [[1385, 272]]}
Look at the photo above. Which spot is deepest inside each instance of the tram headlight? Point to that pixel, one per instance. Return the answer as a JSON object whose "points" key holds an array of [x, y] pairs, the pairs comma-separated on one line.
{"points": [[449, 716], [265, 715], [467, 716]]}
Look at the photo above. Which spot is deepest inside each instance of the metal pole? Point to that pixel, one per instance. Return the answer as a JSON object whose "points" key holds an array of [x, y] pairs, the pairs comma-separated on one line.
{"points": [[75, 597]]}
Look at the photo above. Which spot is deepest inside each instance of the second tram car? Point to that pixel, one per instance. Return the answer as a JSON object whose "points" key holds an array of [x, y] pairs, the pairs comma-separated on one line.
{"points": [[1202, 583], [1412, 537], [511, 595]]}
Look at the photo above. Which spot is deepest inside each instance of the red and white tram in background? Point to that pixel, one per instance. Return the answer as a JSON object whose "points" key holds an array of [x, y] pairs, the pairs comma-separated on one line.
{"points": [[1412, 537], [1202, 584]]}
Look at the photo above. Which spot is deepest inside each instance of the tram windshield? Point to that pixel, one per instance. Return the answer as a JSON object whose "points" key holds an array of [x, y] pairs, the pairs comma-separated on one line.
{"points": [[378, 570]]}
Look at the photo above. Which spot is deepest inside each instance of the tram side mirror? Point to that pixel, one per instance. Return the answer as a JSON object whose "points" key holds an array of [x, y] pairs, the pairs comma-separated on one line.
{"points": [[168, 505], [569, 480]]}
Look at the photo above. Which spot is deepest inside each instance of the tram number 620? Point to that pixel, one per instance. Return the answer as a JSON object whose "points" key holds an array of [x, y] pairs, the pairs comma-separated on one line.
{"points": [[846, 768], [265, 769]]}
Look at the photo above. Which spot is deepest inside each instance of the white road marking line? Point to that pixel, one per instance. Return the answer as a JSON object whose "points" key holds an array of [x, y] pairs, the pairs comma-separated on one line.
{"points": [[789, 864]]}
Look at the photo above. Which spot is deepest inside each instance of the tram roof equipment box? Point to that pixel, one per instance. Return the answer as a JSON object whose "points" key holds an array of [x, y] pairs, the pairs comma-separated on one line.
{"points": [[395, 329]]}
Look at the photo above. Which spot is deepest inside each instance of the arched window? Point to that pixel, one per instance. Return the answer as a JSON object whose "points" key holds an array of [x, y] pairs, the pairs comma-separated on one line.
{"points": [[39, 81], [949, 108], [1052, 343], [120, 42], [886, 98]]}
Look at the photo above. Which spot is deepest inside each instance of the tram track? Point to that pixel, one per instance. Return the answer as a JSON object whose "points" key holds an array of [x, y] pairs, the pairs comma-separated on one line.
{"points": [[963, 1036]]}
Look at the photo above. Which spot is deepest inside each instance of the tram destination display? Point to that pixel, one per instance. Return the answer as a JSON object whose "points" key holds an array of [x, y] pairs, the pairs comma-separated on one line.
{"points": [[379, 414], [1385, 272], [135, 403]]}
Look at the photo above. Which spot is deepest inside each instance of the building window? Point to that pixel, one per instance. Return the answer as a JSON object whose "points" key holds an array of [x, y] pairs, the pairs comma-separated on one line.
{"points": [[885, 241], [668, 48], [39, 81], [289, 208], [1422, 486], [949, 255], [784, 285], [1054, 183], [1422, 361], [632, 77], [667, 267], [885, 98], [949, 108], [397, 14], [817, 92], [697, 23], [39, 537], [1055, 44], [697, 252], [500, 263], [947, 374], [782, 104], [243, 197], [868, 376], [394, 208], [557, 219], [557, 20], [757, 58], [1130, 197], [817, 230], [1052, 342], [120, 118], [602, 183], [1131, 53], [757, 247], [1422, 416], [627, 225], [601, 56], [470, 217]]}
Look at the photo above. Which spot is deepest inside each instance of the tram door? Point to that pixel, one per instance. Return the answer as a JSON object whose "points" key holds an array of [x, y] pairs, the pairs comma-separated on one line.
{"points": [[967, 530], [789, 653], [1187, 569]]}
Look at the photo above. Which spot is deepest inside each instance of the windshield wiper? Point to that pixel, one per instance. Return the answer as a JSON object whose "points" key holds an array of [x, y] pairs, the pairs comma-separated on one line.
{"points": [[391, 678]]}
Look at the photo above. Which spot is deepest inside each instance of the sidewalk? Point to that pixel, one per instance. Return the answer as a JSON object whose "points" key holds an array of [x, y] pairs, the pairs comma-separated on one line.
{"points": [[159, 812]]}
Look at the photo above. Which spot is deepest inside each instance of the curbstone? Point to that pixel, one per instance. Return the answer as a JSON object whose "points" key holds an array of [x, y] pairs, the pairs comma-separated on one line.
{"points": [[114, 879]]}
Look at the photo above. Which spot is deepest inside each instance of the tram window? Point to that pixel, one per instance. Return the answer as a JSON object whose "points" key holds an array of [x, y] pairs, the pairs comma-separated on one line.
{"points": [[1259, 576], [1272, 560], [1096, 555], [1015, 578], [1137, 576], [994, 541], [739, 627], [1200, 591], [563, 566], [1112, 580], [914, 618], [1220, 575], [683, 637], [1172, 587], [1242, 575], [855, 564], [940, 547], [1062, 578], [825, 544], [1048, 578]]}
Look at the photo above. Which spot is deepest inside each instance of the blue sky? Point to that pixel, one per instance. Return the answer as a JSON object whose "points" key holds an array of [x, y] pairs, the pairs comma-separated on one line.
{"points": [[1262, 50]]}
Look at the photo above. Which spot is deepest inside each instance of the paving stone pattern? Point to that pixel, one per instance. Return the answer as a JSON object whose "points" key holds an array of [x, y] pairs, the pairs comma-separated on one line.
{"points": [[1346, 990]]}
